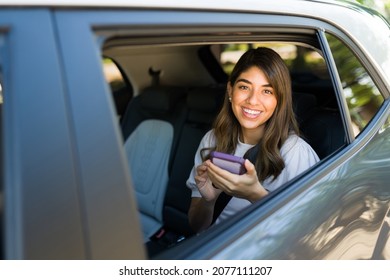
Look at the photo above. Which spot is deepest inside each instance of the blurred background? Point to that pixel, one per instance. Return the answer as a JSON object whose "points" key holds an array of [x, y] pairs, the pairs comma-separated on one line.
{"points": [[382, 6]]}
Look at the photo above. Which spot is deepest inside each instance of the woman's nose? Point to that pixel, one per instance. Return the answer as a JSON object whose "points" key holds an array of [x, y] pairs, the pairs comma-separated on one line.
{"points": [[252, 98]]}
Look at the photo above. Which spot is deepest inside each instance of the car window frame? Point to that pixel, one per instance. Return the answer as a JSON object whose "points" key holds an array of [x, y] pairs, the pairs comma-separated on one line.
{"points": [[369, 66], [308, 29], [125, 22], [102, 182]]}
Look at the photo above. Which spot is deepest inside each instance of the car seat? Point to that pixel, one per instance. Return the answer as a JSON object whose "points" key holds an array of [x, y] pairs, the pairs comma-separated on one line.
{"points": [[324, 131], [304, 105], [203, 105], [150, 127], [321, 127]]}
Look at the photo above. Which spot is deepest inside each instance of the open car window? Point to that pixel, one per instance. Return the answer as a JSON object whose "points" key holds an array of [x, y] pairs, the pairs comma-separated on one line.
{"points": [[178, 91]]}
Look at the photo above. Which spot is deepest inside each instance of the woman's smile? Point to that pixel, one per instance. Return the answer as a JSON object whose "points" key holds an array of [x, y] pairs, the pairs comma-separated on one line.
{"points": [[253, 102], [251, 113]]}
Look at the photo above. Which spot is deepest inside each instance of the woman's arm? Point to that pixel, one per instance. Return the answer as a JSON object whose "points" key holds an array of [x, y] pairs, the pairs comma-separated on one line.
{"points": [[200, 214], [201, 210]]}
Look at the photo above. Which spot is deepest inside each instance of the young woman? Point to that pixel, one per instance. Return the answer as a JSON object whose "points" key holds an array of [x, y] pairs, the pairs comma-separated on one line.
{"points": [[257, 113]]}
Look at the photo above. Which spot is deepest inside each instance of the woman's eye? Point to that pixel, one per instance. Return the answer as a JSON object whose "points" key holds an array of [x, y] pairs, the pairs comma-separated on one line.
{"points": [[268, 91], [243, 87]]}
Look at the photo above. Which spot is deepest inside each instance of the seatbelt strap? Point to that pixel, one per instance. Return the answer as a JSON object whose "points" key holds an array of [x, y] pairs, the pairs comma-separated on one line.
{"points": [[222, 200]]}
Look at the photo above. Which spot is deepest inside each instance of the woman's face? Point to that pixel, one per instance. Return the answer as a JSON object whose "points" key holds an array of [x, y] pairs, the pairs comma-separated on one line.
{"points": [[253, 101]]}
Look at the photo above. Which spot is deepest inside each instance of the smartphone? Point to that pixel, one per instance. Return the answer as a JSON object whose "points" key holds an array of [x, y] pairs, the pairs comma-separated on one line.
{"points": [[228, 162]]}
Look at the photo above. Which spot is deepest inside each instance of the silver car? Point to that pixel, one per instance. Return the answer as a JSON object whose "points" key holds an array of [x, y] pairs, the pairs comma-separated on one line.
{"points": [[104, 103]]}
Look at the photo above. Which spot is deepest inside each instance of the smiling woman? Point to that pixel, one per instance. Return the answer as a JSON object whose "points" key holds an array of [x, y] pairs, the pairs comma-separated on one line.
{"points": [[257, 117]]}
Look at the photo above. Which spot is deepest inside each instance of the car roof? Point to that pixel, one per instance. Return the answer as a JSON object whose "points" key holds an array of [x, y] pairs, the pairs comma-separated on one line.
{"points": [[353, 19], [303, 7], [179, 4]]}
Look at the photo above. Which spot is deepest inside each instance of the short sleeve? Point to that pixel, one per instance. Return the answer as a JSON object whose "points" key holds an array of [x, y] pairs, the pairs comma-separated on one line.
{"points": [[207, 141], [298, 156]]}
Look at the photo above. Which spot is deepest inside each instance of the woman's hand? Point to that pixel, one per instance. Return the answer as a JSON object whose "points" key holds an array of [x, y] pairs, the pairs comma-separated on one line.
{"points": [[246, 186], [204, 184], [200, 213]]}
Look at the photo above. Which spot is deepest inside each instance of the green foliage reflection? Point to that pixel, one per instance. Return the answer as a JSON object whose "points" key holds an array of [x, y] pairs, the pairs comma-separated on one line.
{"points": [[363, 97]]}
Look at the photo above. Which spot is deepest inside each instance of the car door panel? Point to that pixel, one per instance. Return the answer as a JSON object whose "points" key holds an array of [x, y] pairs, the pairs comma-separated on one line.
{"points": [[107, 199], [42, 214]]}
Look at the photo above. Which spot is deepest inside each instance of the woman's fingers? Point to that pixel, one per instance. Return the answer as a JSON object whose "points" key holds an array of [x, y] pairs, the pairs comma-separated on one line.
{"points": [[250, 168], [221, 178]]}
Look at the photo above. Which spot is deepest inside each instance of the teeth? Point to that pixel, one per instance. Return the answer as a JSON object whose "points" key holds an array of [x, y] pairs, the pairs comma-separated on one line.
{"points": [[252, 112]]}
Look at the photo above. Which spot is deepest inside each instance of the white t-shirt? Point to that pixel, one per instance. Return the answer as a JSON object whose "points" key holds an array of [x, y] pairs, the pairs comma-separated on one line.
{"points": [[296, 153]]}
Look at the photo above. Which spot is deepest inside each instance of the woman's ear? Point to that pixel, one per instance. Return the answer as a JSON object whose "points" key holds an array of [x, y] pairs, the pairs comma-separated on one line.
{"points": [[229, 90]]}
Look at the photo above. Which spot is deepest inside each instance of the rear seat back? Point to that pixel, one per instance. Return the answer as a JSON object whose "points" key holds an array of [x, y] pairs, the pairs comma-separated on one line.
{"points": [[155, 102], [150, 128], [203, 104], [304, 105], [321, 127], [324, 131]]}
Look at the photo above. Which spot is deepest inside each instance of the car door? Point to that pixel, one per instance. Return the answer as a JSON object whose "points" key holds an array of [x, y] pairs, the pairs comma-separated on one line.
{"points": [[110, 210], [82, 204], [41, 217], [66, 192]]}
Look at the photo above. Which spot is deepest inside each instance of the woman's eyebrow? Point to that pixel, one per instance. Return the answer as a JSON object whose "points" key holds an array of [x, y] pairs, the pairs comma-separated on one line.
{"points": [[249, 82], [243, 80]]}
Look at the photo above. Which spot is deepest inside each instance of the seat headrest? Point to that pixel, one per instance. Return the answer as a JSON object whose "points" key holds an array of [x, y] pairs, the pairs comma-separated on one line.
{"points": [[205, 99], [204, 103], [161, 98]]}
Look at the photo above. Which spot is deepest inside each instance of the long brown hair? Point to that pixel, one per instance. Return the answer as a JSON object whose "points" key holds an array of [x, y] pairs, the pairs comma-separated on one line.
{"points": [[227, 129]]}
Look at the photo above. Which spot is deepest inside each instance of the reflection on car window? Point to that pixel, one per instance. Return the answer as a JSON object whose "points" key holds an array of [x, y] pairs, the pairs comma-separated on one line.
{"points": [[362, 96]]}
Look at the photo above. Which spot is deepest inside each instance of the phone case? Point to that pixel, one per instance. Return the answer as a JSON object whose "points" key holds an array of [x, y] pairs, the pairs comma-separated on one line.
{"points": [[228, 162]]}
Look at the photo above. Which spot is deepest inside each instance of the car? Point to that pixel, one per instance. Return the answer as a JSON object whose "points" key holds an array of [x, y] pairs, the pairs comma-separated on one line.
{"points": [[104, 103]]}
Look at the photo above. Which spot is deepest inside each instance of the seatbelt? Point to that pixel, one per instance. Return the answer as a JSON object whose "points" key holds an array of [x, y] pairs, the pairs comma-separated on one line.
{"points": [[223, 199]]}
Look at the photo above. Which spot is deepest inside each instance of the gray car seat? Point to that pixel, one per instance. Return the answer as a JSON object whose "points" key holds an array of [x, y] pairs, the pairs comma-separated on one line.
{"points": [[150, 126]]}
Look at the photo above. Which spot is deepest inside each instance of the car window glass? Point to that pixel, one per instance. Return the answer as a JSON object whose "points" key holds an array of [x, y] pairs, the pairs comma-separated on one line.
{"points": [[362, 96]]}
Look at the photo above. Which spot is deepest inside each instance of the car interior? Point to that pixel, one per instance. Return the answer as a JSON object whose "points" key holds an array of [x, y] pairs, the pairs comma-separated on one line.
{"points": [[174, 93]]}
